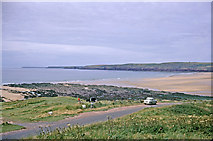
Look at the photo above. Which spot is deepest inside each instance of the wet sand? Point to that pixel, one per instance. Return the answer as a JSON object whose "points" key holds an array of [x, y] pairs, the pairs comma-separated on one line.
{"points": [[193, 83]]}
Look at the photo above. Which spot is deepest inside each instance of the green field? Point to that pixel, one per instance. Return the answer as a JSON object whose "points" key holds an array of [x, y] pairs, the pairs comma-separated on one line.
{"points": [[186, 121], [36, 109]]}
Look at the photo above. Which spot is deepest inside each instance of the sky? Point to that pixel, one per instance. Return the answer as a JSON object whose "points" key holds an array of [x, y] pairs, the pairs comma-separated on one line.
{"points": [[80, 33]]}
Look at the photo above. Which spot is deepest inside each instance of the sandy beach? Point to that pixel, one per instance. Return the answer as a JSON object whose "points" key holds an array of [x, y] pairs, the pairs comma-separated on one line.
{"points": [[193, 83]]}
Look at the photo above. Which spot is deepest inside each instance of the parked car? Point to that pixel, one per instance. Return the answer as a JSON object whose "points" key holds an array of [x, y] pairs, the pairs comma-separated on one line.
{"points": [[150, 101], [92, 99]]}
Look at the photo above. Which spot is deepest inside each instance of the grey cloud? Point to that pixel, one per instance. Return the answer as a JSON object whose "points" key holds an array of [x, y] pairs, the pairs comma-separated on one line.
{"points": [[142, 30]]}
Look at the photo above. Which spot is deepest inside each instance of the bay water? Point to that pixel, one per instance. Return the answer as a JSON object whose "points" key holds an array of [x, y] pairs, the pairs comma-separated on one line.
{"points": [[34, 75]]}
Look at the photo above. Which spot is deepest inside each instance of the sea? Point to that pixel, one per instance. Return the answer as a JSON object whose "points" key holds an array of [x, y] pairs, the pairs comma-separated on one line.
{"points": [[38, 75]]}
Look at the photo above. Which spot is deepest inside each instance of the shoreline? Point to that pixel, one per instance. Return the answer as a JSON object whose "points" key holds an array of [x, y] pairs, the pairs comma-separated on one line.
{"points": [[196, 83]]}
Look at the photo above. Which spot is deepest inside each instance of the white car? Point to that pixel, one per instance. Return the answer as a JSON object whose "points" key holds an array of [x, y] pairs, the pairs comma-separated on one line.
{"points": [[150, 100]]}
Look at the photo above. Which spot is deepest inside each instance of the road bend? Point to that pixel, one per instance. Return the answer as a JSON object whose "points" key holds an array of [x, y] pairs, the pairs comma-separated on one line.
{"points": [[33, 129]]}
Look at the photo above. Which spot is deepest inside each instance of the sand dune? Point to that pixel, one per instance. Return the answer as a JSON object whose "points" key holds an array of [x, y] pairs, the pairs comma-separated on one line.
{"points": [[8, 95]]}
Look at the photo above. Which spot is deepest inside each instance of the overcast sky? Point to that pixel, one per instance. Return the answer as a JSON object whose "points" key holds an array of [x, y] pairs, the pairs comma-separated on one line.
{"points": [[42, 34]]}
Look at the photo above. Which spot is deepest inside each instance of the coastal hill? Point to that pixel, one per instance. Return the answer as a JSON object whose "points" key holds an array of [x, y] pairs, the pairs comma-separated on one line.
{"points": [[169, 66]]}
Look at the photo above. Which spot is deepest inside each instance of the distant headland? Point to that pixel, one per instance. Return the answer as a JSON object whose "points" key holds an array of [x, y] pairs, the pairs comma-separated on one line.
{"points": [[168, 66]]}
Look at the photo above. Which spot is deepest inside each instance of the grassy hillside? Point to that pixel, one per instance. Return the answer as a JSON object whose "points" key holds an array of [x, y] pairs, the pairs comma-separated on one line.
{"points": [[36, 109], [170, 66], [187, 121]]}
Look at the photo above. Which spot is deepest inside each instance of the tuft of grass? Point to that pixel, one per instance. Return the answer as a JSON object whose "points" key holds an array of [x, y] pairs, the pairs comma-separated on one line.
{"points": [[186, 121], [6, 127]]}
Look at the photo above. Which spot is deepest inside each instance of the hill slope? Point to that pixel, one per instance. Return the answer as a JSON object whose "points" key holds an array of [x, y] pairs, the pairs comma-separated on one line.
{"points": [[186, 121]]}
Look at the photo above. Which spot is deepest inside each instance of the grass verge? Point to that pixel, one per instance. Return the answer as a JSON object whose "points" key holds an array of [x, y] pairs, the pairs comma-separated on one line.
{"points": [[7, 127]]}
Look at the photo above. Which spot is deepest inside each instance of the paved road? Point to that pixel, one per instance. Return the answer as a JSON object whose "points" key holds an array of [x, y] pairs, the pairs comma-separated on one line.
{"points": [[82, 119]]}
